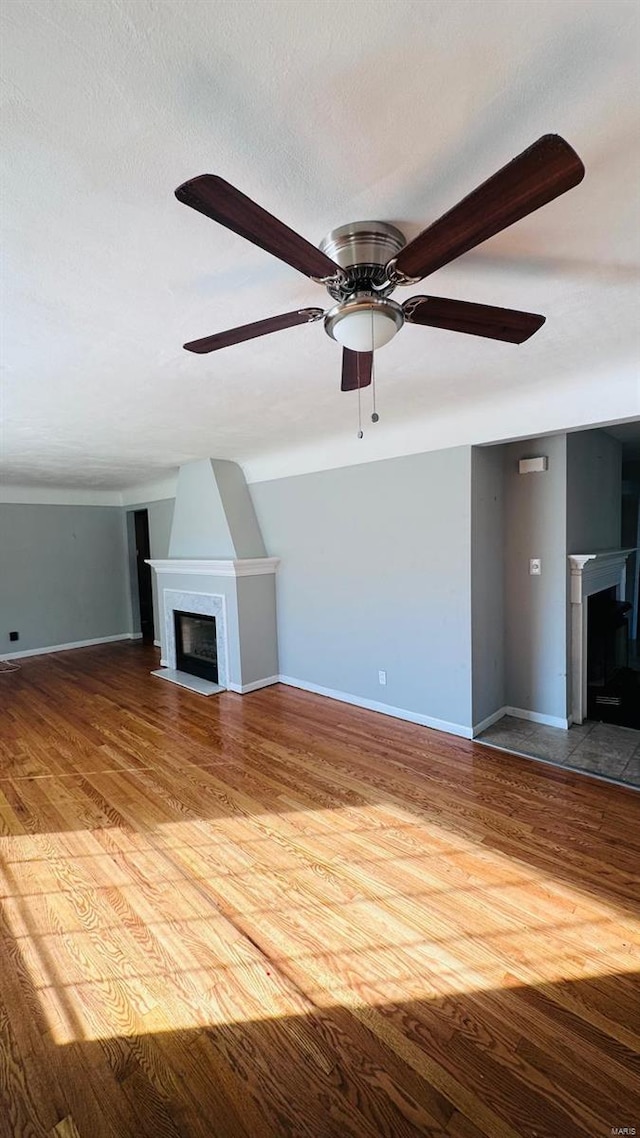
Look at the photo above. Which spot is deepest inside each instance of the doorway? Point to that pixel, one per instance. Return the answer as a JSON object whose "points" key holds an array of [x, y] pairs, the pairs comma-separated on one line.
{"points": [[143, 572]]}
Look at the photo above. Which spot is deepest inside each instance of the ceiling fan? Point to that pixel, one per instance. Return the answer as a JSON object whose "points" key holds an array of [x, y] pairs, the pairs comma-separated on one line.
{"points": [[361, 264]]}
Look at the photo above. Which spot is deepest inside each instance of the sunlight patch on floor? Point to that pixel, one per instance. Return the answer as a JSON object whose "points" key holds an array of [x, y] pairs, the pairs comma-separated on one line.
{"points": [[256, 917]]}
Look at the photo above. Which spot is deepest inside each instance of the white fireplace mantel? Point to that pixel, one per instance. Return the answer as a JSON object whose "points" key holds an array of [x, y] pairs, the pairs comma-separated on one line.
{"points": [[590, 573], [246, 567]]}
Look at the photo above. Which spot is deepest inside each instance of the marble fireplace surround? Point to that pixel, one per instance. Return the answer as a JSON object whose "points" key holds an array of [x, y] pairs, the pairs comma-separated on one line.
{"points": [[246, 637], [200, 604], [590, 573]]}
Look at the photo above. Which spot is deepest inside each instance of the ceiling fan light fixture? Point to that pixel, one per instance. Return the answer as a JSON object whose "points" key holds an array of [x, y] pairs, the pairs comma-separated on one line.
{"points": [[364, 323]]}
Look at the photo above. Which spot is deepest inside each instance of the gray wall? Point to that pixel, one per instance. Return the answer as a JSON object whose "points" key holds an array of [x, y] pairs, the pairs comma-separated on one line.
{"points": [[487, 580], [257, 627], [160, 519], [375, 574], [535, 519], [594, 492], [61, 575]]}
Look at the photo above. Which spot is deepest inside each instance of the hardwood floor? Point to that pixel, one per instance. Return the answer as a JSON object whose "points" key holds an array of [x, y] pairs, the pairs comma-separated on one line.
{"points": [[274, 915]]}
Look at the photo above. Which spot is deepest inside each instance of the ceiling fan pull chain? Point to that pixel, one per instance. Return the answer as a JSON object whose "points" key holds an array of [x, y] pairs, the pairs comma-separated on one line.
{"points": [[374, 414], [360, 431]]}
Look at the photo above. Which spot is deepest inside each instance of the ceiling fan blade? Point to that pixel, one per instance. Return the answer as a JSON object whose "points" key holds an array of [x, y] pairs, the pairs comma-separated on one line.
{"points": [[356, 369], [537, 176], [220, 201], [250, 331], [475, 319]]}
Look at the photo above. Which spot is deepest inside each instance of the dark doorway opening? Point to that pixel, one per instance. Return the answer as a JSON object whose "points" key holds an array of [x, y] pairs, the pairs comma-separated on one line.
{"points": [[196, 646], [145, 591]]}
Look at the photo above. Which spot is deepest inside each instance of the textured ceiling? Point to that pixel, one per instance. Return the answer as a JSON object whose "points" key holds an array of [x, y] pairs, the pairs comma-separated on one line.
{"points": [[324, 113]]}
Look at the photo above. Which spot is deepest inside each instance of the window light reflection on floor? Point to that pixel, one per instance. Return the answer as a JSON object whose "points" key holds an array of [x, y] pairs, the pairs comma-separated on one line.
{"points": [[245, 918]]}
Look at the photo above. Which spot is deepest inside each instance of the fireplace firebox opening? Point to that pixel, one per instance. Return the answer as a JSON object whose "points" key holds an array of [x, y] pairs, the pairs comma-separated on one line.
{"points": [[196, 645], [613, 688]]}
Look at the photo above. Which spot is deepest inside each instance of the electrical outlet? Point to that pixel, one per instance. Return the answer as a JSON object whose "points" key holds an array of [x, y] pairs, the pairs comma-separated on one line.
{"points": [[535, 567], [382, 677], [13, 636]]}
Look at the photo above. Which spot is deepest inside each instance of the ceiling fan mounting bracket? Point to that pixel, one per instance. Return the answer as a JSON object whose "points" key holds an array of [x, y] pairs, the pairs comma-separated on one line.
{"points": [[362, 249], [337, 281], [396, 278]]}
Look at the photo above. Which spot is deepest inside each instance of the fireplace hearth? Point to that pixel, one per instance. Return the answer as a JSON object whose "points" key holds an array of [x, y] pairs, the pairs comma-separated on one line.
{"points": [[196, 644]]}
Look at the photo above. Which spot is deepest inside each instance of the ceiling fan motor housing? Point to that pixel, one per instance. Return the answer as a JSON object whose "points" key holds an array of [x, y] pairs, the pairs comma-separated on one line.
{"points": [[363, 249]]}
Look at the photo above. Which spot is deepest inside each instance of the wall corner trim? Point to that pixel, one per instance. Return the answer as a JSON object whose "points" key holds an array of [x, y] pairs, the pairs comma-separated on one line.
{"points": [[489, 721]]}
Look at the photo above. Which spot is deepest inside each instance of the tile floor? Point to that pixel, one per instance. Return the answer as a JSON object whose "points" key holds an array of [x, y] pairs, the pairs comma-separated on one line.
{"points": [[597, 748]]}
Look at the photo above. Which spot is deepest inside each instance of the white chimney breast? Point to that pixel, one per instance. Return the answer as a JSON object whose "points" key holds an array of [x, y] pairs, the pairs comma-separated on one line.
{"points": [[217, 565], [214, 516]]}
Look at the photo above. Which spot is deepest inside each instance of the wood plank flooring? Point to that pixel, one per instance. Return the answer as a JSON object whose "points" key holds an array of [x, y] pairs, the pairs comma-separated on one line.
{"points": [[276, 915]]}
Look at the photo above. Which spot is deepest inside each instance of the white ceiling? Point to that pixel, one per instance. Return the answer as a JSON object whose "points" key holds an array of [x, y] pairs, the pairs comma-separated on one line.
{"points": [[324, 113]]}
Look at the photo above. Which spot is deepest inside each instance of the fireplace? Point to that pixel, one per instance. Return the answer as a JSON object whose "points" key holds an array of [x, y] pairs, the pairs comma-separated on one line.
{"points": [[196, 644], [217, 567], [613, 688], [590, 573]]}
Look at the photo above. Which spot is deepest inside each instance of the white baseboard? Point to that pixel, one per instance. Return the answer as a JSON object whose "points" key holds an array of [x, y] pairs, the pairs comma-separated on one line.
{"points": [[242, 689], [164, 663], [489, 721], [157, 643], [537, 717], [67, 647], [383, 708]]}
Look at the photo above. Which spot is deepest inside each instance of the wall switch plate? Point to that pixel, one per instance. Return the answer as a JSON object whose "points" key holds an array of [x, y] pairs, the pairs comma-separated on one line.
{"points": [[535, 567], [382, 677]]}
